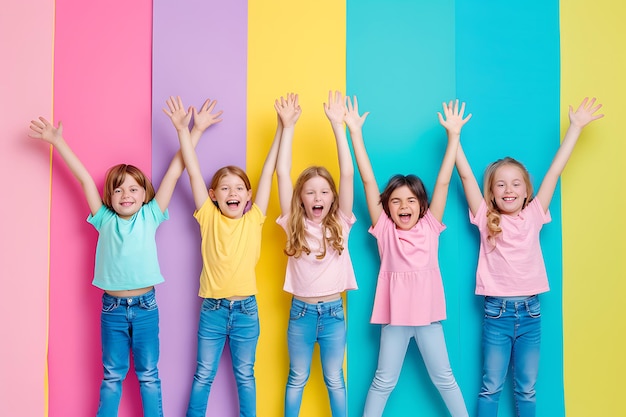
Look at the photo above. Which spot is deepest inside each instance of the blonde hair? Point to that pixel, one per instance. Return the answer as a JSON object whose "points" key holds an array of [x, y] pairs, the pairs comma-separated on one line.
{"points": [[493, 212], [115, 177], [331, 227]]}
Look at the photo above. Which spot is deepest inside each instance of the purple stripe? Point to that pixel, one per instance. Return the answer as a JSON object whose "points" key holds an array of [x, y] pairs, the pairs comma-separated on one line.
{"points": [[199, 52]]}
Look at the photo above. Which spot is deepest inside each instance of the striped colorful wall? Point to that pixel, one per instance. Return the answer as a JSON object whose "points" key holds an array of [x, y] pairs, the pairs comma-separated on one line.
{"points": [[105, 70]]}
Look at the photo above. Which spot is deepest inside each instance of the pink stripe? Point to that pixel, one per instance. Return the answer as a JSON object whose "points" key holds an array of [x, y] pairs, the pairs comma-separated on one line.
{"points": [[26, 74], [102, 94], [200, 52]]}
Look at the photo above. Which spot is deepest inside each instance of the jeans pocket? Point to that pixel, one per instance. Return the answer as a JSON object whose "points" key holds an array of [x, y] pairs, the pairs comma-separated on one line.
{"points": [[534, 308], [210, 304], [149, 304], [250, 310], [493, 309], [107, 307], [337, 313]]}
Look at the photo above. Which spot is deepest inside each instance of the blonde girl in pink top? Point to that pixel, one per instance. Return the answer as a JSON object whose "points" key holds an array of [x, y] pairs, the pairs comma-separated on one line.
{"points": [[511, 271], [409, 301], [317, 219]]}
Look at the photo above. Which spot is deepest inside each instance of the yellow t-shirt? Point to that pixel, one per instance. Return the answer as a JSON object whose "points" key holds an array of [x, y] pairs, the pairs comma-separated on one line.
{"points": [[230, 251]]}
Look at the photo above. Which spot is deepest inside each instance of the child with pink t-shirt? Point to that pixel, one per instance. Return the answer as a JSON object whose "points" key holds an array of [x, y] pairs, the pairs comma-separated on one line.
{"points": [[317, 219], [511, 271], [409, 301]]}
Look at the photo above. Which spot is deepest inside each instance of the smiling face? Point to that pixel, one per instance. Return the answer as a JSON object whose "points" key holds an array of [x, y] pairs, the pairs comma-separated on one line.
{"points": [[509, 189], [404, 208], [231, 195], [128, 197], [317, 198]]}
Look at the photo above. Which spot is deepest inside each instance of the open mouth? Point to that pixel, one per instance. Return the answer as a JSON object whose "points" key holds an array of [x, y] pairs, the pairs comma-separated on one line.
{"points": [[404, 217], [233, 204], [317, 210]]}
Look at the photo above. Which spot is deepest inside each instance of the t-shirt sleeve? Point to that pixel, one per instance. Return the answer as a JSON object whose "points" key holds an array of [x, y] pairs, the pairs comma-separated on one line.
{"points": [[433, 223], [257, 213], [203, 212], [96, 220], [539, 212], [481, 215], [349, 221], [156, 212], [381, 225]]}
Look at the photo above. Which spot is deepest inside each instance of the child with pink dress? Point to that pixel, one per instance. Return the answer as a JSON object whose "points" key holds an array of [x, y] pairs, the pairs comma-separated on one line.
{"points": [[409, 301]]}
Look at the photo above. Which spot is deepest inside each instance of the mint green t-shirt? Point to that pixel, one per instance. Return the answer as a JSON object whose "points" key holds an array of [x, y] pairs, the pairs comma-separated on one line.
{"points": [[126, 254]]}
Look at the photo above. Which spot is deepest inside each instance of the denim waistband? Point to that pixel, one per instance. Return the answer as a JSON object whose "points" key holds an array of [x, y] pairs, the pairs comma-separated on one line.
{"points": [[321, 306], [233, 304], [512, 301], [129, 301]]}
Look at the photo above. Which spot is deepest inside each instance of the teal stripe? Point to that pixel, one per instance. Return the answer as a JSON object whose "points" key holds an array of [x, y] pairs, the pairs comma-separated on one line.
{"points": [[508, 69], [403, 60], [400, 63]]}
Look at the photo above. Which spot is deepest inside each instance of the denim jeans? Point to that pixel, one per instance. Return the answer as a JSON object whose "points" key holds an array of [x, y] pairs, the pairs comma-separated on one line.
{"points": [[130, 325], [237, 322], [394, 341], [511, 335], [322, 323]]}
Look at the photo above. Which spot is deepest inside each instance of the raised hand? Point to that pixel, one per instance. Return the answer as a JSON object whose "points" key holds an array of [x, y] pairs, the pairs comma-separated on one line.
{"points": [[453, 120], [335, 109], [176, 112], [288, 109], [352, 118], [205, 117], [584, 114], [44, 130]]}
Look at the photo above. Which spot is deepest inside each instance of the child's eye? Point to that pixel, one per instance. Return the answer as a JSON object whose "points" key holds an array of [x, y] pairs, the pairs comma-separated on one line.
{"points": [[117, 190]]}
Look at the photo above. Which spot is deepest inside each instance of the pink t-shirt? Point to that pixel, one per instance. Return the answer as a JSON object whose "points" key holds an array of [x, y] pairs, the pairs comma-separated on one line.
{"points": [[409, 291], [307, 276], [514, 266]]}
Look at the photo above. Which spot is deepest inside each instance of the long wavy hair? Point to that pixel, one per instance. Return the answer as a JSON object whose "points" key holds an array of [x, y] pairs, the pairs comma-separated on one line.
{"points": [[331, 227], [493, 212], [115, 177], [413, 183]]}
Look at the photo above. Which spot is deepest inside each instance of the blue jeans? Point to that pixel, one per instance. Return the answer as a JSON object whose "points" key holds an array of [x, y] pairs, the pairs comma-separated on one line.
{"points": [[237, 321], [511, 335], [394, 341], [322, 323], [130, 325]]}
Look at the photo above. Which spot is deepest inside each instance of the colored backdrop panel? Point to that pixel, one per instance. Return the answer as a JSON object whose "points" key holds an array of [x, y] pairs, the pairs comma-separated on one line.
{"points": [[401, 64], [593, 222], [199, 52], [293, 47], [102, 95], [26, 89], [508, 71]]}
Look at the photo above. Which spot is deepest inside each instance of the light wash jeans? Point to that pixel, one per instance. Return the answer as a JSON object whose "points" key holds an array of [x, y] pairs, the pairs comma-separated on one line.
{"points": [[394, 341], [322, 323], [130, 324], [511, 333], [237, 322]]}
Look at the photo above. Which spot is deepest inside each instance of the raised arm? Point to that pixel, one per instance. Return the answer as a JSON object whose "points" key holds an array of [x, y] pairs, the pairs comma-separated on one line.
{"points": [[288, 111], [578, 120], [282, 130], [44, 130], [190, 157], [355, 125], [180, 119], [453, 122], [335, 110]]}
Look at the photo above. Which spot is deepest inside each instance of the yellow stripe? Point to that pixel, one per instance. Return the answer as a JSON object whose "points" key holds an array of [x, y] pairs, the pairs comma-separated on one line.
{"points": [[292, 47], [594, 265]]}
